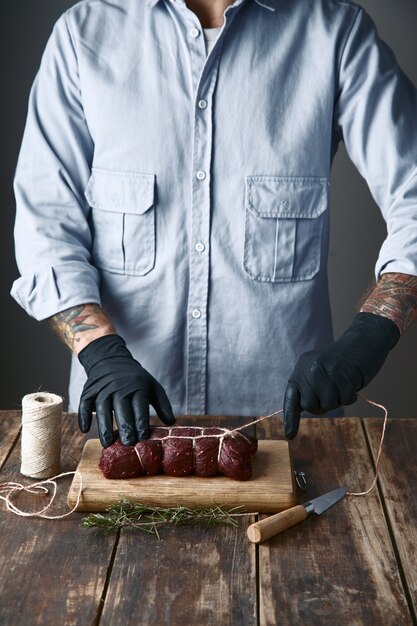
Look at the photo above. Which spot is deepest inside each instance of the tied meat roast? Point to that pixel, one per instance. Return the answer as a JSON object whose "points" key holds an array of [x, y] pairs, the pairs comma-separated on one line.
{"points": [[186, 451]]}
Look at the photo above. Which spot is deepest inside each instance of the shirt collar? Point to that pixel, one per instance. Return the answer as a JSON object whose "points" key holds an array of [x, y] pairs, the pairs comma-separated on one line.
{"points": [[266, 4]]}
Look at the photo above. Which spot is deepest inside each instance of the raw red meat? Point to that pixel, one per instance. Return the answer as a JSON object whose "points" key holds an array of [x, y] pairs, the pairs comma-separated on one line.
{"points": [[235, 459], [184, 453], [149, 457], [119, 461], [206, 453]]}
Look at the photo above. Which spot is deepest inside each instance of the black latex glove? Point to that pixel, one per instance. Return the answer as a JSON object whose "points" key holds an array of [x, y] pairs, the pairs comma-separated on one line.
{"points": [[116, 382], [331, 376]]}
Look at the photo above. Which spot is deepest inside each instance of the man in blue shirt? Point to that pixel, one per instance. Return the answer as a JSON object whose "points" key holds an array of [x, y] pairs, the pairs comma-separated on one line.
{"points": [[173, 205]]}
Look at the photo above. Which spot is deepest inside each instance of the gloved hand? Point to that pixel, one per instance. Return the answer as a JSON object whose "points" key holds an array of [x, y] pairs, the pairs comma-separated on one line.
{"points": [[329, 377], [116, 382]]}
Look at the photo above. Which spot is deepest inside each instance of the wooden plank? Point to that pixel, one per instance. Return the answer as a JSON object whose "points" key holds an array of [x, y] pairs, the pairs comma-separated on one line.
{"points": [[51, 572], [189, 577], [271, 488], [337, 568], [397, 478], [9, 430]]}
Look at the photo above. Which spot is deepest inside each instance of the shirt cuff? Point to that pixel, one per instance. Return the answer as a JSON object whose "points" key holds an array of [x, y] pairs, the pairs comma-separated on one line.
{"points": [[56, 289], [397, 255]]}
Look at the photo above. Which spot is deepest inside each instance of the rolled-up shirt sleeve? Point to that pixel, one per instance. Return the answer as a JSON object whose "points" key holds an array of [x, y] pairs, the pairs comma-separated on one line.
{"points": [[52, 234], [376, 116]]}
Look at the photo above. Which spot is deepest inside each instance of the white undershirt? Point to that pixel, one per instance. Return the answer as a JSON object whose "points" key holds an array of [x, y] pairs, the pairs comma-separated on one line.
{"points": [[210, 36]]}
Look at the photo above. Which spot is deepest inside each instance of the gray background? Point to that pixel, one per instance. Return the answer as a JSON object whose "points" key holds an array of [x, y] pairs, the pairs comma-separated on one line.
{"points": [[34, 359]]}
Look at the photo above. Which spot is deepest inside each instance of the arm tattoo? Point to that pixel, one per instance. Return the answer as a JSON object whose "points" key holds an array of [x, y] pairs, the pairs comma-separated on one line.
{"points": [[394, 297], [73, 321]]}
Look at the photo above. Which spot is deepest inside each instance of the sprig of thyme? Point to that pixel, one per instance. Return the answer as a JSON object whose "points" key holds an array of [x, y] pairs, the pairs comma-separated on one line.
{"points": [[128, 514]]}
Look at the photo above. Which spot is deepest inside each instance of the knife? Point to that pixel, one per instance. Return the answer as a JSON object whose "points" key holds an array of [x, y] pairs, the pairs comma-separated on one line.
{"points": [[275, 524]]}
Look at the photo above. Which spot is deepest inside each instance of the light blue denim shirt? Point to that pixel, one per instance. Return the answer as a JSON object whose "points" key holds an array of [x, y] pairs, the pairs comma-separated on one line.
{"points": [[189, 194]]}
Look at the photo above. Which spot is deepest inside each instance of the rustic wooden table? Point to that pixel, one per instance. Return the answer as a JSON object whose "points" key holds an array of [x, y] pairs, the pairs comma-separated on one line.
{"points": [[353, 565]]}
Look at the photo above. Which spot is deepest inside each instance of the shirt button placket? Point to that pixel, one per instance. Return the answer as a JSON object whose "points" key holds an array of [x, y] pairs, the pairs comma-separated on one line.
{"points": [[204, 88], [200, 236], [197, 325]]}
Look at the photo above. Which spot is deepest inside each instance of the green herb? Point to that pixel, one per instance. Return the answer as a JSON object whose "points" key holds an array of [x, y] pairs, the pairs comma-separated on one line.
{"points": [[128, 514]]}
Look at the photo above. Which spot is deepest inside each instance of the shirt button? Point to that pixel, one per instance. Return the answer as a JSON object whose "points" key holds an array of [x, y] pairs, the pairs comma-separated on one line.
{"points": [[194, 32], [200, 247], [196, 313], [202, 104], [201, 175]]}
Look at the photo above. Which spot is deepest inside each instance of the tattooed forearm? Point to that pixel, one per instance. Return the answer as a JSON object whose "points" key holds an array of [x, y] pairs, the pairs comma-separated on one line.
{"points": [[80, 325], [394, 297], [71, 322]]}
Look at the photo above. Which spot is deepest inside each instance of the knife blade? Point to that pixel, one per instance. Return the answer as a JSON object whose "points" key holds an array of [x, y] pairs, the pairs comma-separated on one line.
{"points": [[274, 524]]}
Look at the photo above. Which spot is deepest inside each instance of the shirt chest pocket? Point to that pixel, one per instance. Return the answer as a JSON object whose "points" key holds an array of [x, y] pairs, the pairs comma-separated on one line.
{"points": [[123, 221], [284, 218]]}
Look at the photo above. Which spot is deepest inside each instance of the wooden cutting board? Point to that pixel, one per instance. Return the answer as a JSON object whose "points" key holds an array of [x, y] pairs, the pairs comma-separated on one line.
{"points": [[270, 490]]}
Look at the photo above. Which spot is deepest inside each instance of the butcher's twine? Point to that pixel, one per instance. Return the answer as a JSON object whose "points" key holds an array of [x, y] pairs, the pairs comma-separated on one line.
{"points": [[41, 435], [10, 488], [40, 453]]}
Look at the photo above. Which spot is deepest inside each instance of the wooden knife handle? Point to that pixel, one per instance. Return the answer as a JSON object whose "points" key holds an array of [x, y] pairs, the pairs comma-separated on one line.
{"points": [[275, 524]]}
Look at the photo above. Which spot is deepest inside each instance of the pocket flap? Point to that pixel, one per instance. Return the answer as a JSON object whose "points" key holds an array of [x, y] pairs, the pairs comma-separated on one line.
{"points": [[120, 192], [287, 196]]}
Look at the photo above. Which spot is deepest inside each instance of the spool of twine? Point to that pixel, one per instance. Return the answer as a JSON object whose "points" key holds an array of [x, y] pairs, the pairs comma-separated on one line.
{"points": [[41, 435]]}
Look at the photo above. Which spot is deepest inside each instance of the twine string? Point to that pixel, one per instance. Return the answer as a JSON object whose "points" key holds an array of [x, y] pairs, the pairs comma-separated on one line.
{"points": [[219, 453], [225, 431], [378, 456], [8, 489], [139, 458]]}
